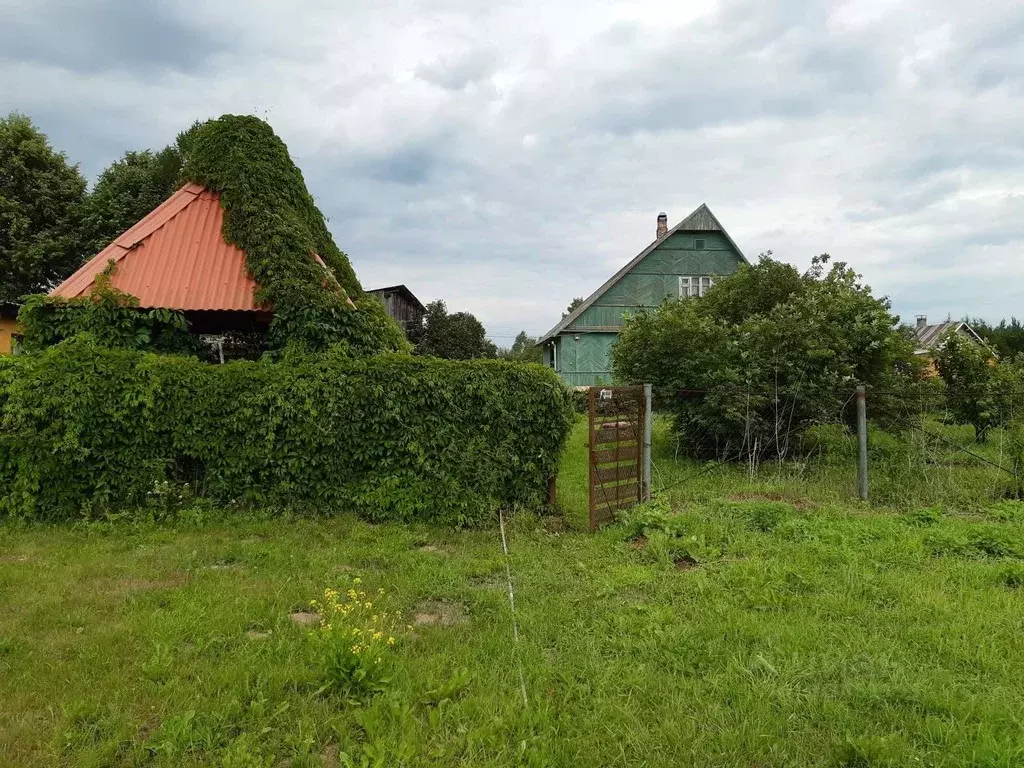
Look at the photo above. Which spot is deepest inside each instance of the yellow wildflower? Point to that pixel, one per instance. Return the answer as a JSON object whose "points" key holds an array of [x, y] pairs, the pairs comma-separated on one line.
{"points": [[378, 635], [391, 641], [357, 580]]}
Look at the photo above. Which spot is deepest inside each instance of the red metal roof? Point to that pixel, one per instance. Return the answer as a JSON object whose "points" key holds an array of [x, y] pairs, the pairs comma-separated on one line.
{"points": [[175, 258]]}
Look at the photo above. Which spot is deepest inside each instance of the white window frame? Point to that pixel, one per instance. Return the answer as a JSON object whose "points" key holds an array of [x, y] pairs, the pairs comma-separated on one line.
{"points": [[694, 285]]}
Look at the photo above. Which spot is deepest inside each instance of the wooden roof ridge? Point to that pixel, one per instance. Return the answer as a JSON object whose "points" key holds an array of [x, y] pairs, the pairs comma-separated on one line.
{"points": [[701, 219]]}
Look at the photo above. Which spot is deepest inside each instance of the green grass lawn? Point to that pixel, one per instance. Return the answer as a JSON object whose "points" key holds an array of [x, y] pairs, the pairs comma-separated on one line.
{"points": [[765, 622]]}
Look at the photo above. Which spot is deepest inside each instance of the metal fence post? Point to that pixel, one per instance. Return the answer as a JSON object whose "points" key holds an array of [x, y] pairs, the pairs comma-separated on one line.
{"points": [[862, 439], [646, 490]]}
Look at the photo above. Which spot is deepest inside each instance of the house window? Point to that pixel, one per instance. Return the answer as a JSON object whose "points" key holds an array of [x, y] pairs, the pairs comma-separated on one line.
{"points": [[694, 285], [699, 245]]}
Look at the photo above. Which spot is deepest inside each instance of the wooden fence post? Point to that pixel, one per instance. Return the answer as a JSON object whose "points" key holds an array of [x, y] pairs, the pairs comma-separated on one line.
{"points": [[645, 490], [862, 440]]}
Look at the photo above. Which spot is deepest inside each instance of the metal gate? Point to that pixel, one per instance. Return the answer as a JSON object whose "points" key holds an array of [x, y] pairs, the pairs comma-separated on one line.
{"points": [[617, 439]]}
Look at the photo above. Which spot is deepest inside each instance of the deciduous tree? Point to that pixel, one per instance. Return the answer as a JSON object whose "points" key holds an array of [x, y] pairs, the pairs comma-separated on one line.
{"points": [[40, 198]]}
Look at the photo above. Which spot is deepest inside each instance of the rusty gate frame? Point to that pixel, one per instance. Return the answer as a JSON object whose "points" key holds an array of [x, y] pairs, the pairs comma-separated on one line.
{"points": [[615, 452]]}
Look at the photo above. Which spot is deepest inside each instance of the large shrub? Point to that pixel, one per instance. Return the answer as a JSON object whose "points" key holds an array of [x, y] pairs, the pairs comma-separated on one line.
{"points": [[980, 390], [765, 354], [85, 429]]}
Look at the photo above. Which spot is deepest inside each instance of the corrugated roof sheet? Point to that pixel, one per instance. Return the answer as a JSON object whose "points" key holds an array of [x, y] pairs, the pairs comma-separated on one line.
{"points": [[929, 335], [175, 258]]}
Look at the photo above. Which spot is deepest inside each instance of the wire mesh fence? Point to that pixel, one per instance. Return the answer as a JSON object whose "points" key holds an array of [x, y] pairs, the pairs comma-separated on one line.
{"points": [[927, 446]]}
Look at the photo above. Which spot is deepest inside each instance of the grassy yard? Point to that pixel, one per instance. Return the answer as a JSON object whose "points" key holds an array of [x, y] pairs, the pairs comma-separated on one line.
{"points": [[764, 622]]}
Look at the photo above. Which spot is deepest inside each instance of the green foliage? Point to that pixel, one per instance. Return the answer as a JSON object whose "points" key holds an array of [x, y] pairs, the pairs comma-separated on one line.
{"points": [[126, 191], [40, 196], [524, 350], [766, 354], [458, 336], [1006, 338], [270, 215], [86, 429], [107, 317], [980, 390]]}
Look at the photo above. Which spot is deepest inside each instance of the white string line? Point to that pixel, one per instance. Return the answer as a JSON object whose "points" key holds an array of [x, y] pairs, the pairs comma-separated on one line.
{"points": [[512, 607]]}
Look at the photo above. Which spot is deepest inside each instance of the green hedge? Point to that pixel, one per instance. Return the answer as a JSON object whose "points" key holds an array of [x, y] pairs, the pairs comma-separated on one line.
{"points": [[85, 429]]}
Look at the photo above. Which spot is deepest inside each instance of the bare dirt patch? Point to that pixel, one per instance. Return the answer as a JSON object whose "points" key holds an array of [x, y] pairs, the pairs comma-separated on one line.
{"points": [[434, 549], [494, 580], [439, 613], [305, 618], [640, 542], [258, 634], [14, 558], [330, 756], [686, 564]]}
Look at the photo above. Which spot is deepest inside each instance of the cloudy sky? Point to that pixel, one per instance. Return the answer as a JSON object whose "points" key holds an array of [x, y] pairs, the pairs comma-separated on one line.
{"points": [[507, 157]]}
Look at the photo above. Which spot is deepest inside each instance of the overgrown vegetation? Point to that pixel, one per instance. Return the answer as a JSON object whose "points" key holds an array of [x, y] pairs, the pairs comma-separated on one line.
{"points": [[739, 621], [270, 215], [86, 429], [980, 390], [107, 317], [766, 354], [317, 301]]}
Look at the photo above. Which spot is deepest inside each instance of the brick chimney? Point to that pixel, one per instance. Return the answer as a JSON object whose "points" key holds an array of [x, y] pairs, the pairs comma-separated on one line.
{"points": [[662, 225], [922, 321]]}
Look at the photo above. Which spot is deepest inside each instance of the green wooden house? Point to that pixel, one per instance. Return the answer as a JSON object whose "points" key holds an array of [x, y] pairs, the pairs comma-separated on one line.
{"points": [[682, 262]]}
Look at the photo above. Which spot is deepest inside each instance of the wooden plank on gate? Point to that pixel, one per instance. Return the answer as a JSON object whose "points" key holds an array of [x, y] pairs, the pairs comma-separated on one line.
{"points": [[620, 435], [616, 474], [625, 453], [618, 495]]}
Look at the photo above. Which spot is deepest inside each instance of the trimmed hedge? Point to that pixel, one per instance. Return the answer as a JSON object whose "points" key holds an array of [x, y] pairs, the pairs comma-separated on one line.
{"points": [[85, 429]]}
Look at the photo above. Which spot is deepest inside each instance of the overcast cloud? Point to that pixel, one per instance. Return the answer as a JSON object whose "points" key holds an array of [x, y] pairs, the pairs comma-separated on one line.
{"points": [[509, 158]]}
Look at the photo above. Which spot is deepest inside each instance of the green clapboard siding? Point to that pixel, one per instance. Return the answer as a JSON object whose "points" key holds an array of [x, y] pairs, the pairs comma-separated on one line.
{"points": [[586, 361]]}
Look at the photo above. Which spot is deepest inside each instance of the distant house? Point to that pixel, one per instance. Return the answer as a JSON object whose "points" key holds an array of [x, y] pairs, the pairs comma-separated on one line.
{"points": [[681, 262], [8, 325], [929, 337], [402, 305]]}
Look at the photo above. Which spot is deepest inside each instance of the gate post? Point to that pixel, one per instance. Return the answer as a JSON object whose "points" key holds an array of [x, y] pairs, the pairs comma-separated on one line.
{"points": [[645, 491], [862, 444], [591, 468]]}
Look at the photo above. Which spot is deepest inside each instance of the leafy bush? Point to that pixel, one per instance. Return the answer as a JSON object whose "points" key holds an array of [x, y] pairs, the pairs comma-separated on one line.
{"points": [[106, 316], [766, 354], [979, 390], [86, 429]]}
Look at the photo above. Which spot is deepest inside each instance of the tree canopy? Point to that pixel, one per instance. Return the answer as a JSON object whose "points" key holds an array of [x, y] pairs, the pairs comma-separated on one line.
{"points": [[453, 336], [764, 354], [41, 194], [523, 350], [980, 390], [572, 306]]}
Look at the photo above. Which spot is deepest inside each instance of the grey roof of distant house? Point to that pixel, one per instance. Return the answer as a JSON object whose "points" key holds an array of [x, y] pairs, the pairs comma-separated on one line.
{"points": [[929, 336]]}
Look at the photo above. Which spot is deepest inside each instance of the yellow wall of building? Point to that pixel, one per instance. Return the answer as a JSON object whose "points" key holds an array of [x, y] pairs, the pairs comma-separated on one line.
{"points": [[7, 326]]}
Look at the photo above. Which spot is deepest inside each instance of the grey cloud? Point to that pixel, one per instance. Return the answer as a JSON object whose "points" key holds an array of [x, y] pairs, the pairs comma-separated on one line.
{"points": [[105, 35], [460, 71], [510, 177]]}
